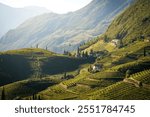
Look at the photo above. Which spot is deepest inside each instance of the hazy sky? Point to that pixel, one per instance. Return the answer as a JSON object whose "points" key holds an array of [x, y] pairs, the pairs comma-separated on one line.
{"points": [[58, 6]]}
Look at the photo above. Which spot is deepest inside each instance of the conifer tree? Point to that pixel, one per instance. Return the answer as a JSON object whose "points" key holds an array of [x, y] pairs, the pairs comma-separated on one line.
{"points": [[65, 75], [3, 97], [39, 97], [128, 73]]}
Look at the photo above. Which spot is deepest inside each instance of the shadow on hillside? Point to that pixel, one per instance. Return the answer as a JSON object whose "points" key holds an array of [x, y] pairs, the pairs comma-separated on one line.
{"points": [[13, 68]]}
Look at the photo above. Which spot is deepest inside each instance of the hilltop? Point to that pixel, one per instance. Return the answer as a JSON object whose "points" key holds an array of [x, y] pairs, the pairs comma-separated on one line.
{"points": [[16, 65]]}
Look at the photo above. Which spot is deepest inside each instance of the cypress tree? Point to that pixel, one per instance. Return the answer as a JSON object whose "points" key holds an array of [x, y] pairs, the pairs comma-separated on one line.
{"points": [[128, 73], [3, 94], [33, 97], [65, 75], [39, 97], [144, 51]]}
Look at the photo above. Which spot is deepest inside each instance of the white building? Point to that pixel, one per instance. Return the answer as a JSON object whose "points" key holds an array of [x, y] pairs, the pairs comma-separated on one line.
{"points": [[97, 67], [115, 42]]}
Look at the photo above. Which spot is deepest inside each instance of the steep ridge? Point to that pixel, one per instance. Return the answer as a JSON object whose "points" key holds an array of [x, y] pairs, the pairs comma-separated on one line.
{"points": [[130, 26], [67, 31], [133, 24]]}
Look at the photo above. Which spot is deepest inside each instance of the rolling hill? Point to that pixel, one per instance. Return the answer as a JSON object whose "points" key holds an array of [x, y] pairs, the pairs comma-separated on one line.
{"points": [[11, 17], [16, 65], [66, 31]]}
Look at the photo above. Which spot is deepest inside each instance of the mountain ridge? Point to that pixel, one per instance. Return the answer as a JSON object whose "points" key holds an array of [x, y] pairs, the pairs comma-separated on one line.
{"points": [[64, 32], [17, 16], [130, 26]]}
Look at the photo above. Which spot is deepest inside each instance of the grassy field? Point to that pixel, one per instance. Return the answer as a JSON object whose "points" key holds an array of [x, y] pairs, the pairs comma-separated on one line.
{"points": [[35, 63], [24, 88]]}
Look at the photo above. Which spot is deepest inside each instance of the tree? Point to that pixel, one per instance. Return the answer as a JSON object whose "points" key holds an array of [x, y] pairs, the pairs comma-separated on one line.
{"points": [[106, 39], [33, 97], [83, 55], [121, 43], [37, 45], [65, 75], [78, 54], [90, 68], [39, 97], [144, 51], [3, 96], [128, 73], [46, 48], [36, 97], [86, 54], [91, 52]]}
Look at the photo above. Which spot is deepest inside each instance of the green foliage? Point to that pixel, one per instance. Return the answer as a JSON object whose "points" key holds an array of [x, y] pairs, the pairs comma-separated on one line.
{"points": [[35, 97], [121, 91], [25, 88], [89, 43], [106, 39], [35, 63], [142, 76], [132, 24], [3, 95], [119, 65], [128, 72]]}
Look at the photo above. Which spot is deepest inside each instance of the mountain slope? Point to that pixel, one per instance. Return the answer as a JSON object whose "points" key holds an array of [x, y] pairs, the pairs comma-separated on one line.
{"points": [[67, 31], [11, 17], [132, 24]]}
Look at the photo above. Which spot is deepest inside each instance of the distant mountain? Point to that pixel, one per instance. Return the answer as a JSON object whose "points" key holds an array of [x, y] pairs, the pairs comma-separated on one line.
{"points": [[67, 31], [11, 17]]}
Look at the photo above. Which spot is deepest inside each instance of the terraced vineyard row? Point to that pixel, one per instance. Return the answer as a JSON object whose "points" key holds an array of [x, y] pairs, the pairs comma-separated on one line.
{"points": [[143, 76], [140, 64], [131, 48], [121, 90], [107, 74], [57, 92], [72, 82]]}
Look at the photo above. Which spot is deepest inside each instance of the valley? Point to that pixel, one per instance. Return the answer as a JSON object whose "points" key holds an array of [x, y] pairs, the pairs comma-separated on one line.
{"points": [[113, 66]]}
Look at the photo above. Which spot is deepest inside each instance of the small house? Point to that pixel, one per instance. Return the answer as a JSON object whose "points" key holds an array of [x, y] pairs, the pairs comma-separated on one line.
{"points": [[115, 42], [97, 67]]}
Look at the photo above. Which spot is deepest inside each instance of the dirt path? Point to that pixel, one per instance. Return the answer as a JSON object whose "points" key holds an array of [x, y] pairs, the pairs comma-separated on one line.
{"points": [[64, 86], [93, 79]]}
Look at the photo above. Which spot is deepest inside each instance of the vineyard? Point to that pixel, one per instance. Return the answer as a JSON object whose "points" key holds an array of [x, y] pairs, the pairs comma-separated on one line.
{"points": [[126, 90], [120, 91], [143, 76], [135, 66], [24, 88]]}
